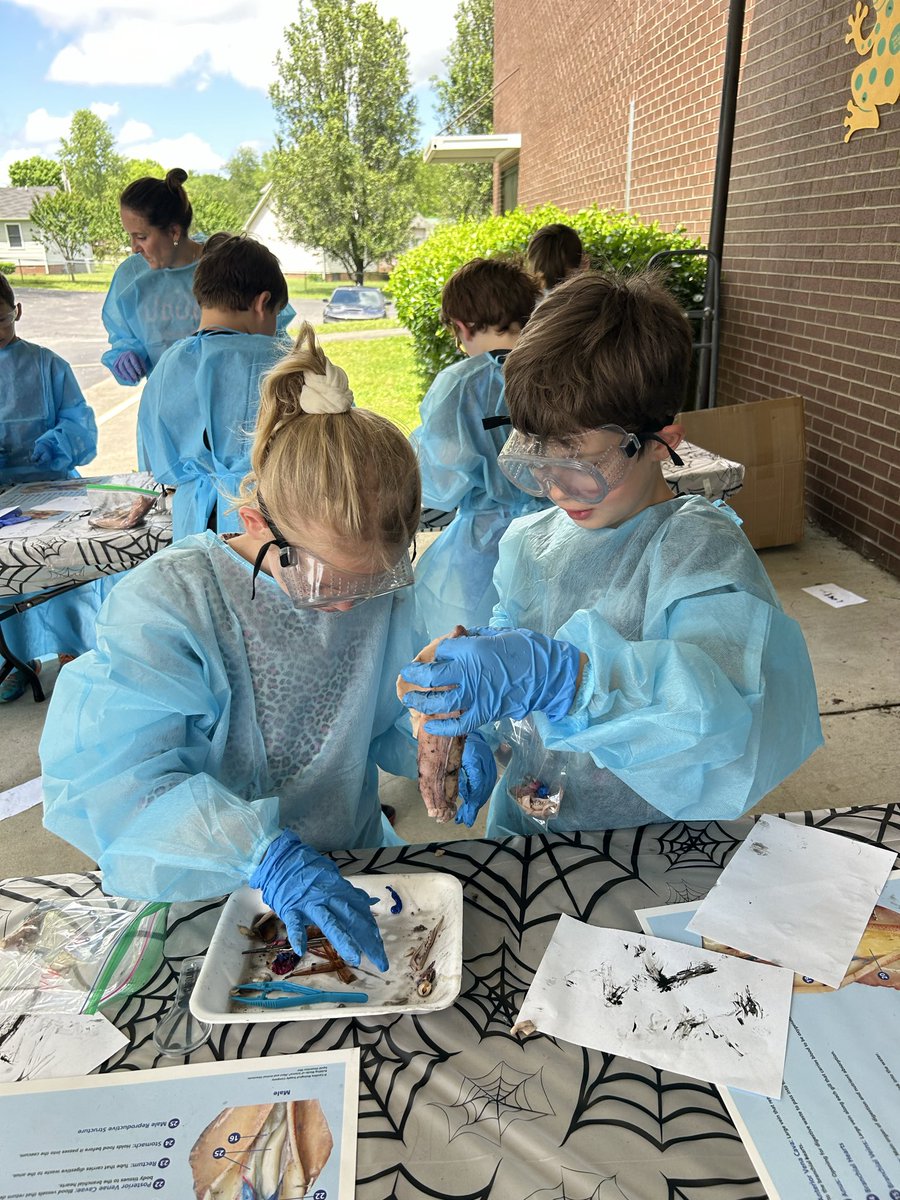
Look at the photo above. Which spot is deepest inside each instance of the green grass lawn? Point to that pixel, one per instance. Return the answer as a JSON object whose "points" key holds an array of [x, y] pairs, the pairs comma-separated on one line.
{"points": [[382, 373], [91, 281], [300, 287], [357, 326]]}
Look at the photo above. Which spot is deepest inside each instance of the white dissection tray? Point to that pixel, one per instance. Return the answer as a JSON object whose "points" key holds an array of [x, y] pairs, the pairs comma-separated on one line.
{"points": [[426, 898]]}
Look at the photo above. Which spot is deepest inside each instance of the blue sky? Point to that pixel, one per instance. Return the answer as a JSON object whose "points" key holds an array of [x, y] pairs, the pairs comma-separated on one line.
{"points": [[186, 92]]}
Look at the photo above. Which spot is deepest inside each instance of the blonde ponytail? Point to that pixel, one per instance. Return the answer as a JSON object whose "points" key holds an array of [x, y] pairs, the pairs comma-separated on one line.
{"points": [[318, 459]]}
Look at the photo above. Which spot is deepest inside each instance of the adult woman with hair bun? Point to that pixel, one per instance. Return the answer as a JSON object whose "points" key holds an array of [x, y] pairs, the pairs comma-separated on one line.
{"points": [[150, 304]]}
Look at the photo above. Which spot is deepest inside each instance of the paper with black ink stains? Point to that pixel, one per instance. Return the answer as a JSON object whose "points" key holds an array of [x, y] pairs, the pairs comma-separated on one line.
{"points": [[796, 896], [677, 1007], [54, 1045]]}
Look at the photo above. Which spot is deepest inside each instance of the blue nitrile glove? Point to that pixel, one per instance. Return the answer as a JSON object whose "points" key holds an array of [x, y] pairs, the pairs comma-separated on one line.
{"points": [[506, 674], [129, 367], [305, 888], [42, 455], [477, 777]]}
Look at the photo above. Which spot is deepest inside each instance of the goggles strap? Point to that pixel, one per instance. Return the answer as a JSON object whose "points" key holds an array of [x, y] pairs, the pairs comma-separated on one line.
{"points": [[257, 566], [654, 437]]}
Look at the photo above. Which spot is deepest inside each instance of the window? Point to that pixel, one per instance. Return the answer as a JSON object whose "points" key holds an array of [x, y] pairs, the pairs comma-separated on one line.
{"points": [[14, 236], [509, 187]]}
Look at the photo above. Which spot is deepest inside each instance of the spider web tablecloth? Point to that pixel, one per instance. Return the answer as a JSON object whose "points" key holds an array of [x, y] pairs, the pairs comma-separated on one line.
{"points": [[74, 552], [453, 1106]]}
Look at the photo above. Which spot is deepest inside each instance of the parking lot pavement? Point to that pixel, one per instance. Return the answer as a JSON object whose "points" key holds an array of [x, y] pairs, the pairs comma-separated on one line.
{"points": [[69, 323]]}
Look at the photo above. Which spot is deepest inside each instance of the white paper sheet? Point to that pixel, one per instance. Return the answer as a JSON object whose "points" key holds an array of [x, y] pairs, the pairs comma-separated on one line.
{"points": [[703, 1014], [796, 896], [41, 522], [77, 503], [54, 1045], [837, 597], [17, 799]]}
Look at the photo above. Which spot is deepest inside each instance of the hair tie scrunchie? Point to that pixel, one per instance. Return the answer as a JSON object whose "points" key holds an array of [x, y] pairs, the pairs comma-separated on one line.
{"points": [[328, 393]]}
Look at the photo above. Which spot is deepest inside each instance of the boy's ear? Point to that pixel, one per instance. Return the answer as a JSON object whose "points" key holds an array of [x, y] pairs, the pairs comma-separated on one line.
{"points": [[260, 302], [672, 435]]}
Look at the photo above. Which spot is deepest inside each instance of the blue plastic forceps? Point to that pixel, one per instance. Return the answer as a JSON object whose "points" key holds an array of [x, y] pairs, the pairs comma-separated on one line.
{"points": [[260, 995]]}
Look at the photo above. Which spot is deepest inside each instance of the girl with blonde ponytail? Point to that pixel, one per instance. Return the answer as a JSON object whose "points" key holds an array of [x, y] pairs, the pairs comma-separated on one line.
{"points": [[231, 724]]}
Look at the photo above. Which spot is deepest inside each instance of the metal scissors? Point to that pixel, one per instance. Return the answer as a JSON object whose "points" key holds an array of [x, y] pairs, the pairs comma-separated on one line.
{"points": [[262, 995]]}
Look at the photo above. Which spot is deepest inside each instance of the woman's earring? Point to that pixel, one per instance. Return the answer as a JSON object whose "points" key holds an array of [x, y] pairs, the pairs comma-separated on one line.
{"points": [[174, 241]]}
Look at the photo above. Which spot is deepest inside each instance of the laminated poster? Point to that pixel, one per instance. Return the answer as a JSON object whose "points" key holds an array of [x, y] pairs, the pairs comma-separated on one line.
{"points": [[835, 1131], [280, 1128]]}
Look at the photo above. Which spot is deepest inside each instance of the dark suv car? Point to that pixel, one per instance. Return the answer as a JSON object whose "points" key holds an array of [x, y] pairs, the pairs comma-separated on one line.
{"points": [[355, 304]]}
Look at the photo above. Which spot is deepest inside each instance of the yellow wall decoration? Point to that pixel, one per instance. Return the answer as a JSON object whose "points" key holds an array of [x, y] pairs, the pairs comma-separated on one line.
{"points": [[876, 80]]}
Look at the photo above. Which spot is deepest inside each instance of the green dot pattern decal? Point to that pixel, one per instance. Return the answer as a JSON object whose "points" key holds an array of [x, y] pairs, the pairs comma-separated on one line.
{"points": [[876, 78]]}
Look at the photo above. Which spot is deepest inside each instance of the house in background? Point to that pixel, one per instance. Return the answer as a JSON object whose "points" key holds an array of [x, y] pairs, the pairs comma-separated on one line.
{"points": [[294, 258], [304, 260], [18, 243]]}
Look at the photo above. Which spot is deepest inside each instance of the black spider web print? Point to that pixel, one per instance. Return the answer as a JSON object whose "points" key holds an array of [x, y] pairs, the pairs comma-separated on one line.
{"points": [[494, 986], [658, 1107], [581, 1185], [696, 844], [488, 1104]]}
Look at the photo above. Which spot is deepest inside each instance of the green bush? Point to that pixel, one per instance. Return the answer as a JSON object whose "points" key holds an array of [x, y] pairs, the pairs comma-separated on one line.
{"points": [[611, 239], [7, 268]]}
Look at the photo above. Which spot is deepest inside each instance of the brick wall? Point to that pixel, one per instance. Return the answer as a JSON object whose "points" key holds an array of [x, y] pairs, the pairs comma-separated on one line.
{"points": [[812, 252], [812, 262], [567, 72]]}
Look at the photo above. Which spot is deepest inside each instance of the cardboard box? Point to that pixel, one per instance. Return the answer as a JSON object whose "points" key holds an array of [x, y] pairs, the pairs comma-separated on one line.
{"points": [[768, 437]]}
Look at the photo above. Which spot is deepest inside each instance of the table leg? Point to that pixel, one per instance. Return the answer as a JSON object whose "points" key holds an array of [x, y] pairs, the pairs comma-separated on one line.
{"points": [[10, 661]]}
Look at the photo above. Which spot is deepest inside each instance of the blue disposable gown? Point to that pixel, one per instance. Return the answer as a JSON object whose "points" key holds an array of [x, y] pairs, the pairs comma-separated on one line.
{"points": [[458, 461], [195, 420], [700, 696], [41, 404], [148, 310], [206, 721]]}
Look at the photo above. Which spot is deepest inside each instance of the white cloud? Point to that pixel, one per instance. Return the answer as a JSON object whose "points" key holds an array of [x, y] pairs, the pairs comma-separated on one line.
{"points": [[134, 131], [104, 111], [41, 128], [126, 42], [188, 151]]}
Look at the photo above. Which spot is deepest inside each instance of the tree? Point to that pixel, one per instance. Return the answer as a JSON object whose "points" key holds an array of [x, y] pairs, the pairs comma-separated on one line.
{"points": [[344, 168], [93, 172], [35, 172], [465, 105], [62, 221], [246, 178], [212, 199]]}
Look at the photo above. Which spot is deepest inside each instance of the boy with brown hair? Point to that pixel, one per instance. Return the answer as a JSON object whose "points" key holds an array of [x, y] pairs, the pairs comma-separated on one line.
{"points": [[639, 649], [486, 304], [199, 406]]}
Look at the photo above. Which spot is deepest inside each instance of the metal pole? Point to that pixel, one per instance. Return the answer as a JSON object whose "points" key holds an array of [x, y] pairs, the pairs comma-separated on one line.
{"points": [[730, 79]]}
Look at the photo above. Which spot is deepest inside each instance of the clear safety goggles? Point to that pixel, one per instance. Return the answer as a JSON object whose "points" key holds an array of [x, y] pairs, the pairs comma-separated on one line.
{"points": [[313, 582], [538, 465]]}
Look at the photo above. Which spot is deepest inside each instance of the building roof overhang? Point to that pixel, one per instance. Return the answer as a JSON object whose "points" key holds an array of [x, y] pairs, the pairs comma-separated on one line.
{"points": [[480, 147]]}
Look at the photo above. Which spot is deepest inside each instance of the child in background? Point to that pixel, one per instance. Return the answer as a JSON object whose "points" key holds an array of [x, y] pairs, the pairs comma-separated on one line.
{"points": [[230, 725], [198, 410], [46, 427], [555, 254], [46, 430], [640, 650], [487, 303]]}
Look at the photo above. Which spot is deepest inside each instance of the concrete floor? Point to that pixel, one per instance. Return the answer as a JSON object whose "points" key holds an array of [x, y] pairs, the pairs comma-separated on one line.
{"points": [[855, 653]]}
